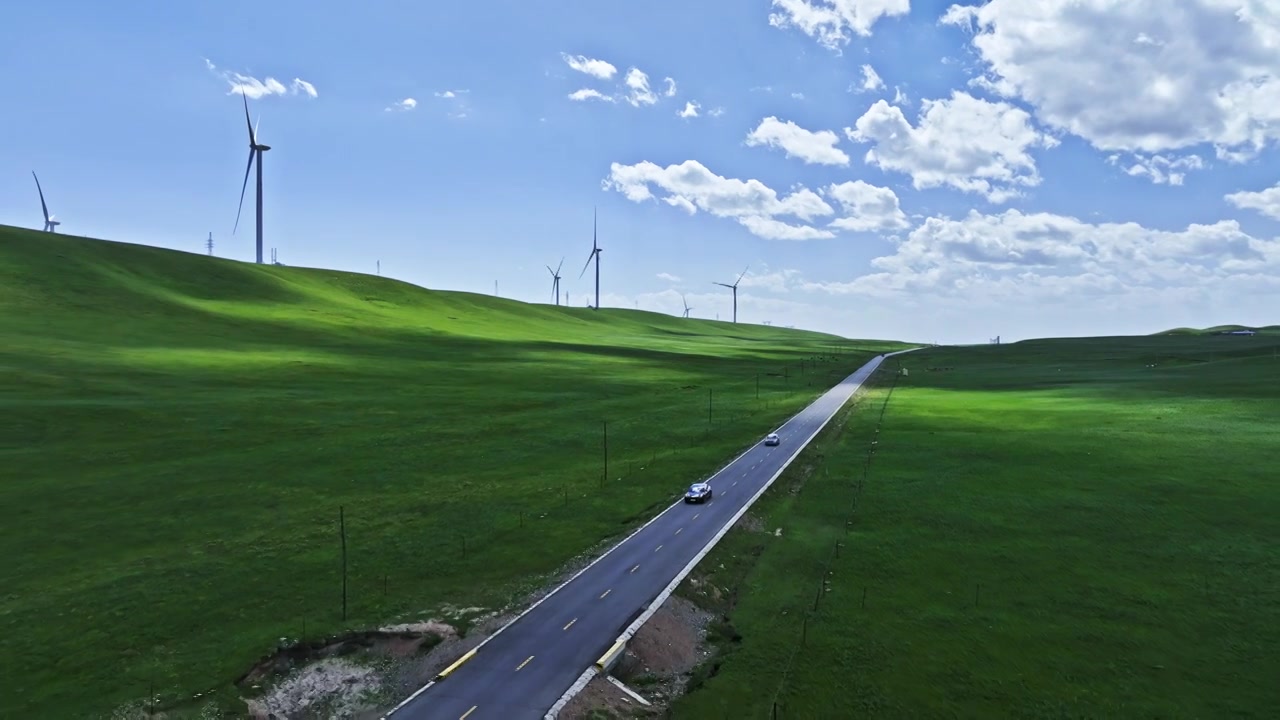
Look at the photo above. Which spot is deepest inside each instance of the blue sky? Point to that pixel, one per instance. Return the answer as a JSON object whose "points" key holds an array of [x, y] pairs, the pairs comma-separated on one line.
{"points": [[1023, 169]]}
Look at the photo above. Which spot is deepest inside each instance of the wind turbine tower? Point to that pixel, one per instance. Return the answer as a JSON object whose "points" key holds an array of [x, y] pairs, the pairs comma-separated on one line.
{"points": [[555, 280], [209, 244], [686, 305], [255, 151], [595, 255], [734, 288], [50, 222]]}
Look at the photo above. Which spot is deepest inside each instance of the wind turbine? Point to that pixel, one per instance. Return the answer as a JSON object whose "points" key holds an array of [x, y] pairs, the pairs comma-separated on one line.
{"points": [[734, 288], [555, 280], [49, 222], [255, 149], [595, 255], [686, 305]]}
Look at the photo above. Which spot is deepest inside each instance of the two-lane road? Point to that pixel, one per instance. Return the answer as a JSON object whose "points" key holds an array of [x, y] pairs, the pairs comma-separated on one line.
{"points": [[523, 670]]}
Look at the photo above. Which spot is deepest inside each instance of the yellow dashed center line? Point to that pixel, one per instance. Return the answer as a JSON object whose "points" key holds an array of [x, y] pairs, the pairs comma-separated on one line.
{"points": [[606, 592], [521, 665], [465, 714], [571, 622], [637, 567]]}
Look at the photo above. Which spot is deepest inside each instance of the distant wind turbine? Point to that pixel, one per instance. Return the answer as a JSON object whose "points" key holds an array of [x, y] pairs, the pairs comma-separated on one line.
{"points": [[255, 150], [49, 221], [555, 280], [734, 288], [595, 255], [686, 305]]}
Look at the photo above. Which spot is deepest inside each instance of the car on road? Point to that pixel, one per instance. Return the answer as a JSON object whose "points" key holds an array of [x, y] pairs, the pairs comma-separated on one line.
{"points": [[772, 439], [698, 492]]}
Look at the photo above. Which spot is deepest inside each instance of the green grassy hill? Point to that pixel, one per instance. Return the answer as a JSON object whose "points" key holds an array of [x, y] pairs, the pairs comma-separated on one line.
{"points": [[1074, 528], [180, 432]]}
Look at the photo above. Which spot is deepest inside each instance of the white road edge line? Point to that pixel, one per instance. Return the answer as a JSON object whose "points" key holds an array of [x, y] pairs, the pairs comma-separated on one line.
{"points": [[593, 563], [662, 596]]}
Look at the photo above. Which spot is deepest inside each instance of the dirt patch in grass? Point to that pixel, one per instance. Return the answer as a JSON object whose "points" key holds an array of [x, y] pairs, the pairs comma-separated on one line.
{"points": [[750, 523], [602, 700], [658, 663]]}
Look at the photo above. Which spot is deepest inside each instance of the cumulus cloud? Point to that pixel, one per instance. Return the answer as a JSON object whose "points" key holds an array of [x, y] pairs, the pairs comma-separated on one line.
{"points": [[255, 88], [690, 109], [668, 277], [590, 94], [403, 106], [867, 207], [590, 66], [691, 187], [633, 89], [638, 92], [1134, 75], [871, 79], [963, 142], [1159, 169], [830, 21], [814, 148], [1029, 256], [1265, 201]]}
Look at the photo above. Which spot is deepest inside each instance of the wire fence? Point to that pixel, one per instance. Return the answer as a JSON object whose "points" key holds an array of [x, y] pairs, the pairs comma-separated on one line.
{"points": [[809, 616]]}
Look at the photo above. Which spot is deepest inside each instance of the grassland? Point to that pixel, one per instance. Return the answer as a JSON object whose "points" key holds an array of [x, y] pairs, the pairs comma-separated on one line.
{"points": [[181, 431], [1048, 529]]}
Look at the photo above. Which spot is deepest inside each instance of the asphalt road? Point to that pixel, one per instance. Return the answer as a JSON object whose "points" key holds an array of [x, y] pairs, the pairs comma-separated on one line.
{"points": [[524, 669]]}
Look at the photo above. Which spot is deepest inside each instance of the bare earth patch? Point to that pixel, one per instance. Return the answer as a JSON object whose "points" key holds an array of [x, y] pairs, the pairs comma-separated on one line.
{"points": [[656, 665]]}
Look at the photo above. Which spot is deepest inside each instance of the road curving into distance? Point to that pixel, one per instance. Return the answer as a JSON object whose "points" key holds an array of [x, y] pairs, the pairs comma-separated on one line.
{"points": [[524, 669]]}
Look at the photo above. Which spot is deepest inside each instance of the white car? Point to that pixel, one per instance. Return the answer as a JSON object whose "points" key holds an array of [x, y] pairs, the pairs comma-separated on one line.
{"points": [[772, 439]]}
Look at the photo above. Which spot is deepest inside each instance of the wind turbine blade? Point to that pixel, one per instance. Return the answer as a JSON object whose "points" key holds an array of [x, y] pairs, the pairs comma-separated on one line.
{"points": [[242, 189], [744, 274], [253, 139], [593, 229], [722, 284], [43, 207], [584, 267], [553, 272], [559, 266], [257, 124]]}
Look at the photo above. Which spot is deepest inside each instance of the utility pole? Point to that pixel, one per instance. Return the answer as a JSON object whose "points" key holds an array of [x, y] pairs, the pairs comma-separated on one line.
{"points": [[379, 268], [342, 531]]}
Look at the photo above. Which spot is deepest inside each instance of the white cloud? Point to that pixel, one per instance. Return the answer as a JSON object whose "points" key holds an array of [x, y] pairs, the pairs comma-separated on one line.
{"points": [[590, 94], [1138, 75], [404, 105], [1160, 169], [871, 79], [716, 112], [668, 277], [1265, 201], [829, 21], [590, 66], [690, 186], [867, 207], [776, 281], [690, 109], [814, 148], [255, 88], [797, 96], [962, 142], [1032, 257], [639, 93], [300, 85], [671, 87]]}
